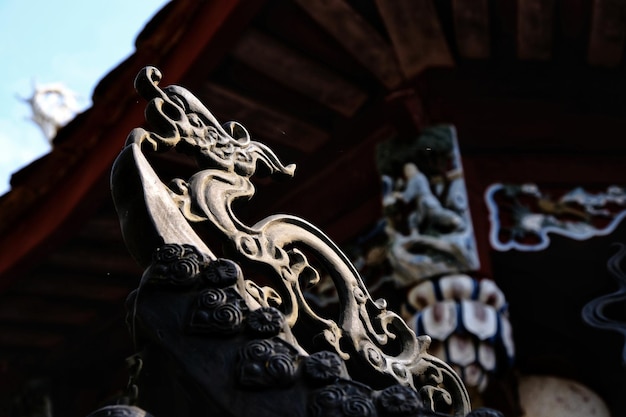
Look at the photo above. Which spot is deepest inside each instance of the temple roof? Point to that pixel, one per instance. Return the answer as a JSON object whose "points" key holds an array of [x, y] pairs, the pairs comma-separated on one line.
{"points": [[536, 90]]}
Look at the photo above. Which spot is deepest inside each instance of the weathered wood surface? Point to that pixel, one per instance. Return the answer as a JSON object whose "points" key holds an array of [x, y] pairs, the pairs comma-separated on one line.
{"points": [[357, 37], [416, 35]]}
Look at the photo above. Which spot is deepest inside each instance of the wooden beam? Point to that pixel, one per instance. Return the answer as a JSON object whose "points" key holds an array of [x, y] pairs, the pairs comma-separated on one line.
{"points": [[12, 337], [270, 124], [68, 286], [357, 36], [405, 111], [534, 29], [529, 126], [566, 170], [608, 33], [280, 19], [35, 311], [102, 229], [416, 34], [94, 259], [471, 28], [298, 72]]}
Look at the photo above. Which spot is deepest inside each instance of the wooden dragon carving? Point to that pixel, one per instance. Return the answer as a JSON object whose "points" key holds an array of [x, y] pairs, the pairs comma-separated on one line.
{"points": [[373, 342]]}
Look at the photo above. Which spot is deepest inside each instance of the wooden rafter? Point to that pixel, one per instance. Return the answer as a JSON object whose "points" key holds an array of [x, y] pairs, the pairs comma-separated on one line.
{"points": [[263, 121], [357, 36], [471, 28], [534, 29], [298, 72], [416, 34], [608, 33]]}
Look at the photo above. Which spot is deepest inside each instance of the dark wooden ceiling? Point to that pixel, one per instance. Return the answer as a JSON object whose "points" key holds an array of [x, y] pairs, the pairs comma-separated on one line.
{"points": [[536, 89]]}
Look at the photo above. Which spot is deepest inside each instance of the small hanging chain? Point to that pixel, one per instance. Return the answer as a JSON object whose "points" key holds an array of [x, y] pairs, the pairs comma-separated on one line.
{"points": [[134, 364]]}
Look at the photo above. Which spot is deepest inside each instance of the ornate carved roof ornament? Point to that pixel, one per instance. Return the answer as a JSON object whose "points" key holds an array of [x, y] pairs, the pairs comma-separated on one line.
{"points": [[52, 106], [222, 343], [523, 217]]}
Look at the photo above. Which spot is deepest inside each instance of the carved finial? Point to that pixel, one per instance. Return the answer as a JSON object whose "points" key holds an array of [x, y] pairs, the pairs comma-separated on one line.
{"points": [[53, 106], [273, 327]]}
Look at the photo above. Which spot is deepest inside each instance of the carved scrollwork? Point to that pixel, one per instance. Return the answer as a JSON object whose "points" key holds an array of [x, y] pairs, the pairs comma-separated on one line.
{"points": [[175, 265], [219, 310], [267, 363], [366, 334], [343, 399]]}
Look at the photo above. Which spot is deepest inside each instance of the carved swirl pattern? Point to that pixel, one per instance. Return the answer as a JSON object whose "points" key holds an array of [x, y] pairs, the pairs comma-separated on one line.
{"points": [[175, 265], [343, 399], [267, 363], [219, 310]]}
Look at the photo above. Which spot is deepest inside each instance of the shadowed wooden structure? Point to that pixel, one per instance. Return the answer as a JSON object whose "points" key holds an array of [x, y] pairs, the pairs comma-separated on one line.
{"points": [[535, 89]]}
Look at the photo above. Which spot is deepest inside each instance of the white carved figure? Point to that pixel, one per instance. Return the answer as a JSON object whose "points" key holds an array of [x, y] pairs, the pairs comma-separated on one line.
{"points": [[428, 207], [53, 106], [428, 224], [157, 228]]}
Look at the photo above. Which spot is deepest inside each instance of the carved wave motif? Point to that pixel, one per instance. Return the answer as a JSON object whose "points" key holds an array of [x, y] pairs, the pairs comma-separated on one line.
{"points": [[596, 312]]}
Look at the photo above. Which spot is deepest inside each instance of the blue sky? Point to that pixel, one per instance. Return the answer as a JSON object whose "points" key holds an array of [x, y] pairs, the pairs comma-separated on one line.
{"points": [[73, 42]]}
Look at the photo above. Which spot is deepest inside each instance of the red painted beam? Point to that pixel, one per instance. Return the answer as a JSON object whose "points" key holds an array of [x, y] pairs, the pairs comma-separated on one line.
{"points": [[86, 152]]}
